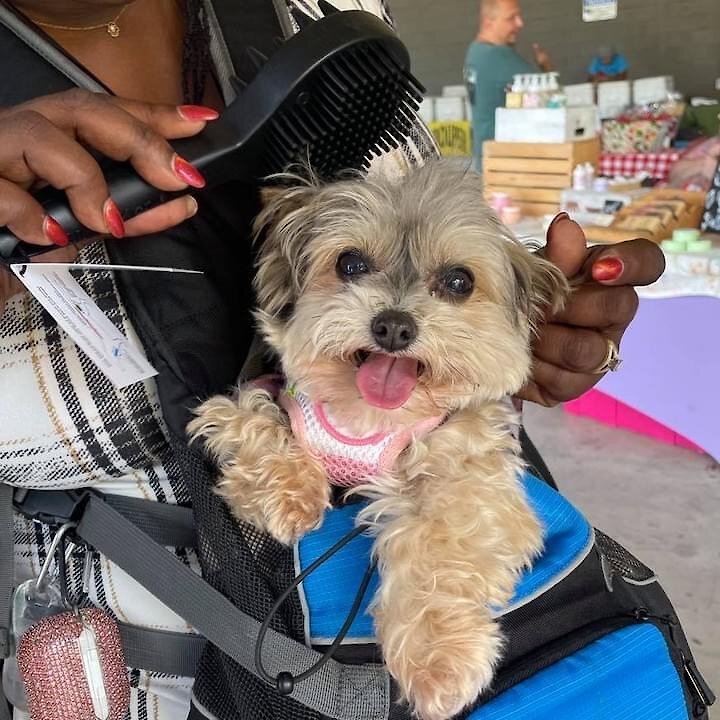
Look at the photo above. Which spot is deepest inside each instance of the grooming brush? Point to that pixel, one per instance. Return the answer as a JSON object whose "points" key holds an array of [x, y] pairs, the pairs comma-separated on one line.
{"points": [[332, 96]]}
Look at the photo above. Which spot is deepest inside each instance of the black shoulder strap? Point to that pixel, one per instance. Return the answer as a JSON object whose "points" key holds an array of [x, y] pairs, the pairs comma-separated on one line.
{"points": [[341, 692]]}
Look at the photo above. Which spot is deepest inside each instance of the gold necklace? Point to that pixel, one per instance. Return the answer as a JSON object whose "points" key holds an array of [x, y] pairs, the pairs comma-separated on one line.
{"points": [[112, 27]]}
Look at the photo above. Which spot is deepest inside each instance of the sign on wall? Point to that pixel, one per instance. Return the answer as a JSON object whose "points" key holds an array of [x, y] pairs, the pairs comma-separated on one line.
{"points": [[594, 10]]}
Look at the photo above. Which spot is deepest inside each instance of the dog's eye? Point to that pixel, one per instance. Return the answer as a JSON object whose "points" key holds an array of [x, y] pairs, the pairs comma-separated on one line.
{"points": [[458, 281], [351, 263]]}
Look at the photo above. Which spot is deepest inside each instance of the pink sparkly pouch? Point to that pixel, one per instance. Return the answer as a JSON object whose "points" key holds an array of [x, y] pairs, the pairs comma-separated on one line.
{"points": [[73, 668]]}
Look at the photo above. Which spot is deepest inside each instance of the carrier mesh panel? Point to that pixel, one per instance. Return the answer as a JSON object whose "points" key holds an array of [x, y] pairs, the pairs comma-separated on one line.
{"points": [[251, 569], [625, 563]]}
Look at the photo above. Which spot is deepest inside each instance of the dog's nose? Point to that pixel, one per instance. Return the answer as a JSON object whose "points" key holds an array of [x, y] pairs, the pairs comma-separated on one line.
{"points": [[393, 330]]}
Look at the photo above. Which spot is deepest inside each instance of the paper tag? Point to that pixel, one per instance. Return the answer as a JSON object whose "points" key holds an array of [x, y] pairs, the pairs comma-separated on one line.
{"points": [[75, 312]]}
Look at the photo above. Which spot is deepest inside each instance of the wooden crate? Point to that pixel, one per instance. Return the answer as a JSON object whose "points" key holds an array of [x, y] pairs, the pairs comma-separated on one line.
{"points": [[533, 174]]}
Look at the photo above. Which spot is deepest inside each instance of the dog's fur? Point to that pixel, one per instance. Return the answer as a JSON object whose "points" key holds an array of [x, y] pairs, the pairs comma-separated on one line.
{"points": [[452, 526]]}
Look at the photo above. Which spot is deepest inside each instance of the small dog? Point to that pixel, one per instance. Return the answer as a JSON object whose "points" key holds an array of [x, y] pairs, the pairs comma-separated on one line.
{"points": [[402, 312]]}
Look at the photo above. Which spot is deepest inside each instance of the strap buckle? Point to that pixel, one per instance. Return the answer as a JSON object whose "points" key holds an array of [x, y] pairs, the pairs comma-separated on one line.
{"points": [[52, 507]]}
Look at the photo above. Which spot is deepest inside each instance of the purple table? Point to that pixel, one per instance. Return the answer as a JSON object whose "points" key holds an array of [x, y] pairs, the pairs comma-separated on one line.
{"points": [[671, 367]]}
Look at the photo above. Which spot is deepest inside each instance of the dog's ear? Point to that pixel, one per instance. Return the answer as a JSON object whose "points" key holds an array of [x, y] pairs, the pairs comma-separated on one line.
{"points": [[540, 287], [282, 229]]}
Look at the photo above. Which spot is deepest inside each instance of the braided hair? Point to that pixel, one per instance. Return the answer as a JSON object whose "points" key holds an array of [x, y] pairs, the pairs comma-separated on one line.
{"points": [[195, 51]]}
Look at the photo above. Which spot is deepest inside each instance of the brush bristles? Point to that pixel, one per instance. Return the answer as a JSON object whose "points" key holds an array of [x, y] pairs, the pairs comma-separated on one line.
{"points": [[359, 104]]}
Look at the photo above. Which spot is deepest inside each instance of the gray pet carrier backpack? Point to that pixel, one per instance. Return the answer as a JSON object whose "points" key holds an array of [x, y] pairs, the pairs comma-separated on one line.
{"points": [[590, 633]]}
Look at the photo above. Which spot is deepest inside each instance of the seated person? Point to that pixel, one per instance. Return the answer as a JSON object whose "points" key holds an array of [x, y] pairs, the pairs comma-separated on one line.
{"points": [[608, 65]]}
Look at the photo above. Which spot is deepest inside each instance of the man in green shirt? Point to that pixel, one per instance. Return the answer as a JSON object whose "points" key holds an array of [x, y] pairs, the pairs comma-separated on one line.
{"points": [[490, 64]]}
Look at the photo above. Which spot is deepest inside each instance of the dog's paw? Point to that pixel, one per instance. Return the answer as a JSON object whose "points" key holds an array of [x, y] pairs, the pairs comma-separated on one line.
{"points": [[294, 510], [217, 422], [447, 674]]}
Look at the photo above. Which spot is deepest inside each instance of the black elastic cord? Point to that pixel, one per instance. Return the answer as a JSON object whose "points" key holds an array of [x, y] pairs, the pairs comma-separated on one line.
{"points": [[285, 681]]}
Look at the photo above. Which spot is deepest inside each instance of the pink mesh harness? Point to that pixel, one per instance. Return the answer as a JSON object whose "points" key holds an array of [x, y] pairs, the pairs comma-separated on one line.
{"points": [[348, 461]]}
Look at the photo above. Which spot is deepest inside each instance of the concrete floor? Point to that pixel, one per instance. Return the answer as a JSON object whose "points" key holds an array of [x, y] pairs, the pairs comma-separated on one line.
{"points": [[661, 502]]}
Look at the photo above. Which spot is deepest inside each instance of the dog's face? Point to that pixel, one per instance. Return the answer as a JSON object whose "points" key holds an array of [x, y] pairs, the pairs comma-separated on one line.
{"points": [[393, 301]]}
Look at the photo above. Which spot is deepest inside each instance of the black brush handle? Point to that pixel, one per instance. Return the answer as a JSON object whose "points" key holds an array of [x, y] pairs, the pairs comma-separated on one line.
{"points": [[129, 191], [213, 152]]}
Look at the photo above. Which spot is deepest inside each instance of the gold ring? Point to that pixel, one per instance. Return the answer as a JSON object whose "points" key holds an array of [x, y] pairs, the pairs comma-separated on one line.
{"points": [[612, 359]]}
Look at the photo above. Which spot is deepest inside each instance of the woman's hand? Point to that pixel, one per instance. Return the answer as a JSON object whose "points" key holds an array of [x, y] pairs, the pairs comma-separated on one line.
{"points": [[573, 343], [45, 141]]}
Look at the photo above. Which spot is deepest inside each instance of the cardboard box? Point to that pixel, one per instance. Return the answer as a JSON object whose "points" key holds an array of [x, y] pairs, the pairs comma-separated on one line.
{"points": [[613, 98], [652, 89], [454, 91], [546, 125], [450, 109], [426, 110], [580, 95]]}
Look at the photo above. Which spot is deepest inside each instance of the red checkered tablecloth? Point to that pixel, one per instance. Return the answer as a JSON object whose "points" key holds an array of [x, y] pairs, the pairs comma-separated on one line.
{"points": [[657, 164]]}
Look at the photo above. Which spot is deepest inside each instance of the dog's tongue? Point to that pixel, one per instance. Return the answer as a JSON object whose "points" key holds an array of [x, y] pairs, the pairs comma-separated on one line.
{"points": [[386, 382]]}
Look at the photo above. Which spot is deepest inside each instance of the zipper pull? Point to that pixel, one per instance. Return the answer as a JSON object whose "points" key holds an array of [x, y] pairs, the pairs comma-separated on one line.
{"points": [[642, 614], [697, 681]]}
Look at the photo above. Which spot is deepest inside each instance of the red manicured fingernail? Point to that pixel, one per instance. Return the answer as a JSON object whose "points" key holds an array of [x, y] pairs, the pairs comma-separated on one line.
{"points": [[113, 219], [198, 113], [54, 233], [187, 173], [608, 268]]}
